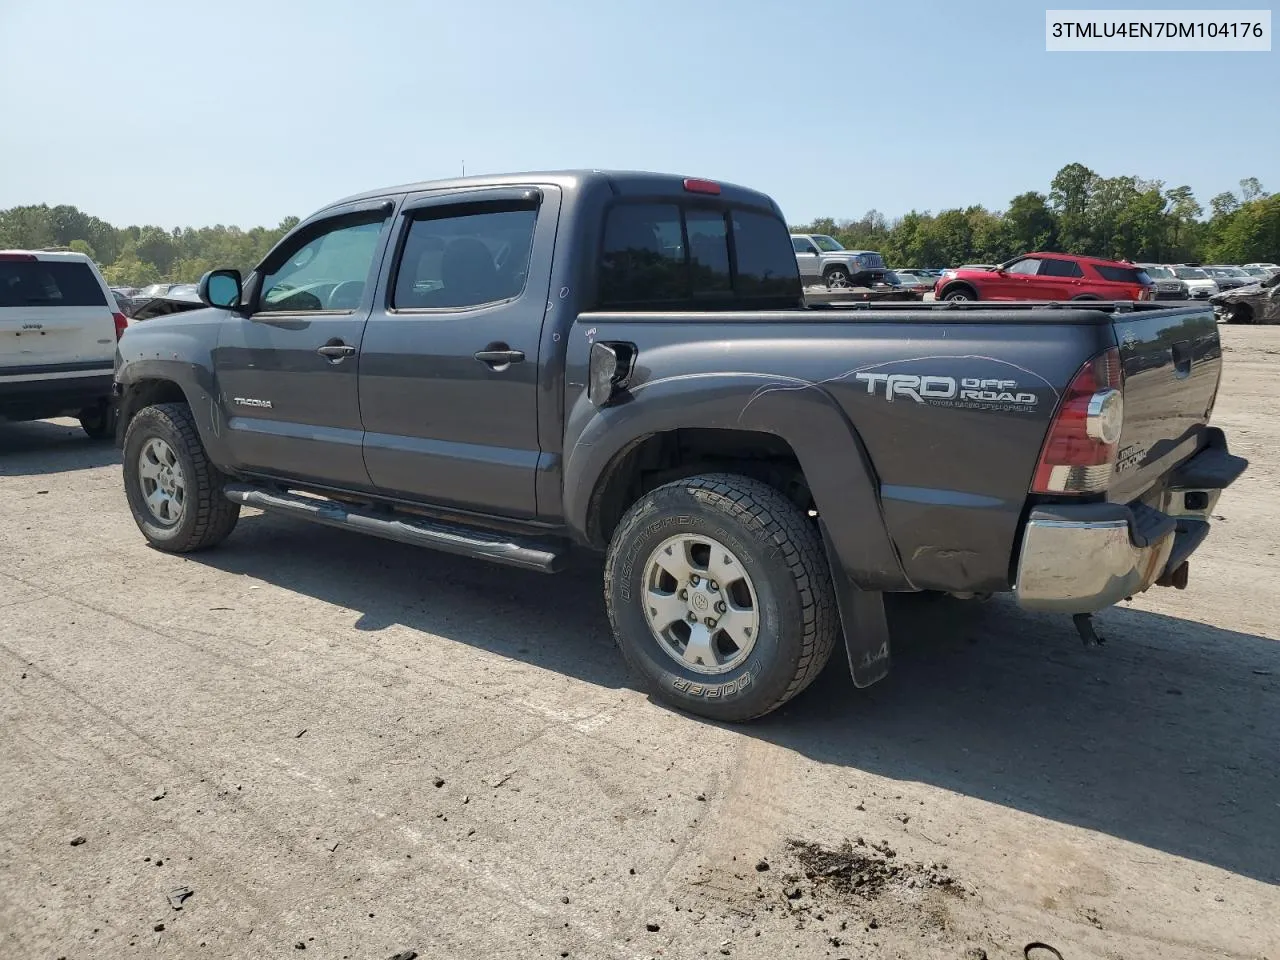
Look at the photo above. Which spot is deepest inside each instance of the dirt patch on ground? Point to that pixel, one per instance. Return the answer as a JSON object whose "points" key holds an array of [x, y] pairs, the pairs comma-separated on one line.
{"points": [[862, 870]]}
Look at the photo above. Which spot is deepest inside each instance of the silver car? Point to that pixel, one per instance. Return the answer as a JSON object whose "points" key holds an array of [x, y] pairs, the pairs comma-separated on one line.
{"points": [[823, 259], [1168, 286]]}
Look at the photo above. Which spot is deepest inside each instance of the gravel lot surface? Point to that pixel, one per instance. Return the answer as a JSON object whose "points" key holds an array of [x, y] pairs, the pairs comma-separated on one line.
{"points": [[347, 748]]}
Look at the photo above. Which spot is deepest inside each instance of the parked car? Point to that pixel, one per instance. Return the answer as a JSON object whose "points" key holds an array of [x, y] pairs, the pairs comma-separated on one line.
{"points": [[1168, 286], [1200, 286], [1265, 266], [179, 298], [1256, 303], [58, 329], [908, 280], [1229, 278], [1048, 276], [511, 367], [822, 259], [1260, 272], [915, 274]]}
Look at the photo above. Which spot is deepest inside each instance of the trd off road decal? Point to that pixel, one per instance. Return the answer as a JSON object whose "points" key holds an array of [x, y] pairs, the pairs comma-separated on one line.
{"points": [[976, 393]]}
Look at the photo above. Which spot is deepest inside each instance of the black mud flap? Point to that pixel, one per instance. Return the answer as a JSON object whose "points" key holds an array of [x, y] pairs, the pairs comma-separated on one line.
{"points": [[866, 628]]}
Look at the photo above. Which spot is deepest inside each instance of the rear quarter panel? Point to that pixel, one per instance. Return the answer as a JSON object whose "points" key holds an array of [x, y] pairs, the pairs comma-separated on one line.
{"points": [[948, 476]]}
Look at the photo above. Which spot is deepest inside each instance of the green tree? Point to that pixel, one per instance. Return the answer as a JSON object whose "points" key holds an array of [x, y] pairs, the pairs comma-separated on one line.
{"points": [[1071, 198], [1031, 223], [82, 246]]}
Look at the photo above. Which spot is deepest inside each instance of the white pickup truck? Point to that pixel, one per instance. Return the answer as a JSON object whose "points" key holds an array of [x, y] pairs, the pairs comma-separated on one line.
{"points": [[822, 259], [58, 330]]}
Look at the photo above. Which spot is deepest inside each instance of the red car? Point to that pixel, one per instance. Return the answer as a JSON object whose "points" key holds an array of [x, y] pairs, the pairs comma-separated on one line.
{"points": [[1048, 276]]}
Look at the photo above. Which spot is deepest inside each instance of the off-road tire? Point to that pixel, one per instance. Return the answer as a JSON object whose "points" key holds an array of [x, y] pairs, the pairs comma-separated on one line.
{"points": [[208, 517], [782, 553]]}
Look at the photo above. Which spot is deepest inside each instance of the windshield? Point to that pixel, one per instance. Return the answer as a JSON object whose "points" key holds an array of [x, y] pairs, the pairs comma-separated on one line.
{"points": [[1228, 272], [826, 244], [1190, 273], [1160, 273]]}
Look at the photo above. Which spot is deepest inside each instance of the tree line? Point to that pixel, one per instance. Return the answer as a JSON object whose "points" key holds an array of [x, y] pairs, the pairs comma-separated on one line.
{"points": [[136, 256], [1120, 218]]}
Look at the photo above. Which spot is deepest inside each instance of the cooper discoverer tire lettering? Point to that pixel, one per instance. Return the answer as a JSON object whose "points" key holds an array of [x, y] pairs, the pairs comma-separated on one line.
{"points": [[174, 490], [720, 597]]}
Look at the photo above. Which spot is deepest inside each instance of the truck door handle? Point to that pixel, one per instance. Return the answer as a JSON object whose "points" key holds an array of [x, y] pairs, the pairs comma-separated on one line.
{"points": [[336, 351], [499, 355]]}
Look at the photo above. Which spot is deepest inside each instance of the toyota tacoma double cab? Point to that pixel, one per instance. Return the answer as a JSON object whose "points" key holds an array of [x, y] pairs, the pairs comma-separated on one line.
{"points": [[515, 367]]}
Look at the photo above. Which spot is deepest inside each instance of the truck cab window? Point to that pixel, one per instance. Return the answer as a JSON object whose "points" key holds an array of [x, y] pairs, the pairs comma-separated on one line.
{"points": [[765, 268], [708, 252], [639, 263], [465, 260], [326, 272]]}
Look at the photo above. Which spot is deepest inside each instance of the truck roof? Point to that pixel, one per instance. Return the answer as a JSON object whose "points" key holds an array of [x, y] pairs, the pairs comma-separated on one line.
{"points": [[621, 182]]}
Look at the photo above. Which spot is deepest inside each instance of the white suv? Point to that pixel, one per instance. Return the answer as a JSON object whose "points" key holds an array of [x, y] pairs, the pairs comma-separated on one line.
{"points": [[58, 330]]}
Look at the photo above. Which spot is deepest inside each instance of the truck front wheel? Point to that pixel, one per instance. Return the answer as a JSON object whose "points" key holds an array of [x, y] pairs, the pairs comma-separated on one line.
{"points": [[174, 490], [720, 597]]}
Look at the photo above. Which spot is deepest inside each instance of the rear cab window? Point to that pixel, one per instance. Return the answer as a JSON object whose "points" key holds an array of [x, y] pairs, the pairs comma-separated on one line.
{"points": [[49, 283], [697, 256]]}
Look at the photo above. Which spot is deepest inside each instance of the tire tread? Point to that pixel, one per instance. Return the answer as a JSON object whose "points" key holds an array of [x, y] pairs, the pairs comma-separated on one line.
{"points": [[216, 516], [754, 503]]}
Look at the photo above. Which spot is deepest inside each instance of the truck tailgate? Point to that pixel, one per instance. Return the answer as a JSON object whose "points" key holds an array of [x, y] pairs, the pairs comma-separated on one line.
{"points": [[1172, 363]]}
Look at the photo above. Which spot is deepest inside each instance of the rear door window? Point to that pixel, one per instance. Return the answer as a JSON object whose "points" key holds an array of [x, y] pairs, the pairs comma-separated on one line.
{"points": [[49, 283], [1060, 268], [466, 258]]}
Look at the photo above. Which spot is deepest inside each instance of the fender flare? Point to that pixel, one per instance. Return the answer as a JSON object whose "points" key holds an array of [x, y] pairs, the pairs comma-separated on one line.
{"points": [[836, 466], [196, 388]]}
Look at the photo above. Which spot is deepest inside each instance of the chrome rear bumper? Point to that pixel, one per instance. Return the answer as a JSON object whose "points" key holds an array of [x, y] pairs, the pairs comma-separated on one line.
{"points": [[1080, 558]]}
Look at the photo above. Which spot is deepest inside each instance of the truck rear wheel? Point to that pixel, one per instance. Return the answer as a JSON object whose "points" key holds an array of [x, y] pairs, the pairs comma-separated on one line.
{"points": [[720, 597], [174, 490]]}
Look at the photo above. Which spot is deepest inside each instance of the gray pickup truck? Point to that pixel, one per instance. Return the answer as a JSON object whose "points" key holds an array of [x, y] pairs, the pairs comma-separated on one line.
{"points": [[512, 367]]}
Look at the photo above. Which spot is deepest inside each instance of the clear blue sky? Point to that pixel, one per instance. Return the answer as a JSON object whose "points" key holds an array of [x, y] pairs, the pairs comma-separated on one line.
{"points": [[190, 113]]}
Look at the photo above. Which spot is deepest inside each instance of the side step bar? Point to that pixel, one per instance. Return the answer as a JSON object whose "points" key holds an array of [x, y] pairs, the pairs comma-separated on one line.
{"points": [[544, 556]]}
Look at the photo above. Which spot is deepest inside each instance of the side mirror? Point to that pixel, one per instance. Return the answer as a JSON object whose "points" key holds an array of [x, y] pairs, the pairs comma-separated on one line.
{"points": [[221, 288]]}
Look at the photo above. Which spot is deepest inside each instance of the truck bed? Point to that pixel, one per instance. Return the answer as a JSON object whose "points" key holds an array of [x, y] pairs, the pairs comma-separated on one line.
{"points": [[951, 475]]}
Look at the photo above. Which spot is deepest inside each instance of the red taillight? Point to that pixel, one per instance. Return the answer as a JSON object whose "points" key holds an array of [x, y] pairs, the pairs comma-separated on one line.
{"points": [[17, 256], [702, 186], [122, 322], [1079, 452]]}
